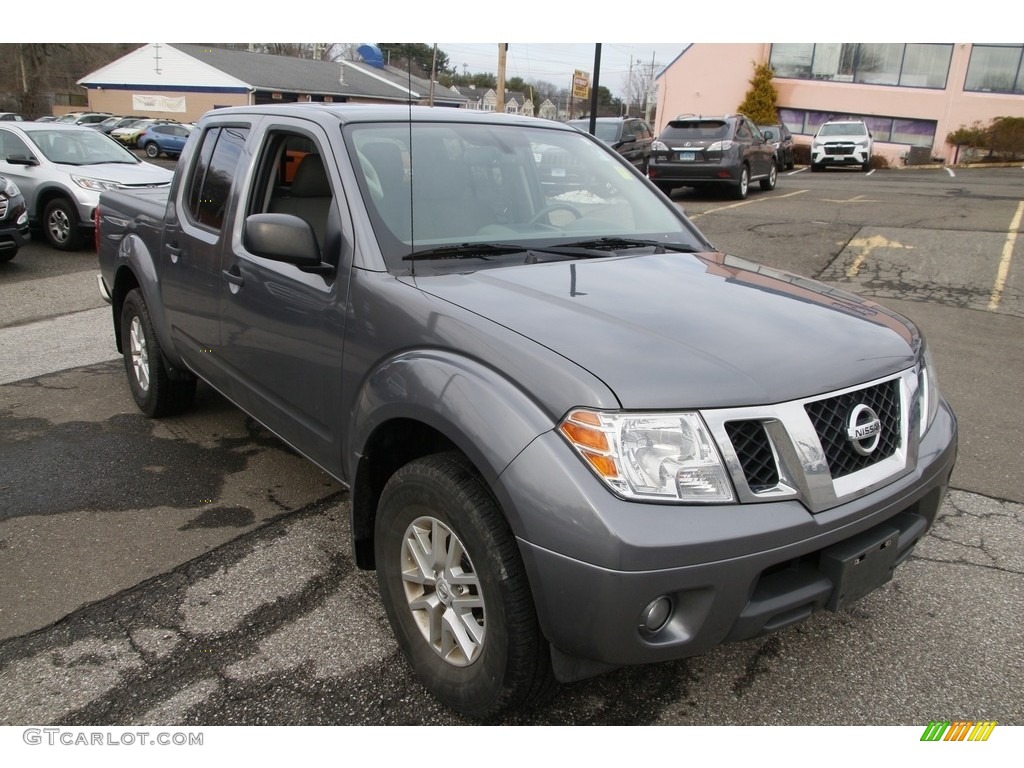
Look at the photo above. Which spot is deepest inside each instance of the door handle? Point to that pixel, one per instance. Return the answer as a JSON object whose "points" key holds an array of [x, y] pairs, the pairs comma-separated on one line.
{"points": [[233, 276]]}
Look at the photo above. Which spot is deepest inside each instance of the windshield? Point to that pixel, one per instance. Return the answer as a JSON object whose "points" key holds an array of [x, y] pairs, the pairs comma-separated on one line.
{"points": [[843, 129], [429, 185], [84, 147]]}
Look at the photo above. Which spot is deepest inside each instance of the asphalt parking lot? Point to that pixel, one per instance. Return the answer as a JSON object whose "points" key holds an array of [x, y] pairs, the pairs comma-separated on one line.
{"points": [[195, 571]]}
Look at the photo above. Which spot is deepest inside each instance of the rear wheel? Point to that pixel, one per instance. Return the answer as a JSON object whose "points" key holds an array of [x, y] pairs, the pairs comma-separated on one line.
{"points": [[742, 187], [154, 391], [455, 589], [773, 175], [152, 150]]}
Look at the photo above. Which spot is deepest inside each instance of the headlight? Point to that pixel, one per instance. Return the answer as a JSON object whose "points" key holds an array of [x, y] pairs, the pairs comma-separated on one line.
{"points": [[96, 185], [650, 456], [9, 188], [928, 391]]}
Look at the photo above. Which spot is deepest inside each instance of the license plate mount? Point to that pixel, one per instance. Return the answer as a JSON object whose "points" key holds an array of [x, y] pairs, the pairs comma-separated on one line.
{"points": [[860, 565]]}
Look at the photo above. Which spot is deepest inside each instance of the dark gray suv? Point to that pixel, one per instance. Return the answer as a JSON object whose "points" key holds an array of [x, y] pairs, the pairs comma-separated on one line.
{"points": [[725, 152], [631, 137]]}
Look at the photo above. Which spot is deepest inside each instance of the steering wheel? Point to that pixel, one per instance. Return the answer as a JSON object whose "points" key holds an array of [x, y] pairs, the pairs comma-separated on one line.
{"points": [[554, 207]]}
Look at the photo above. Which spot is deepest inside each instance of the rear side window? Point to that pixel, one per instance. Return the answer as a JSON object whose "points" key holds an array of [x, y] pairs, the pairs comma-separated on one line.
{"points": [[213, 174]]}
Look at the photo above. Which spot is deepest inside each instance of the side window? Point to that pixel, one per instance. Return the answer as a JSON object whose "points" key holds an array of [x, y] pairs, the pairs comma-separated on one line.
{"points": [[293, 179], [13, 145], [212, 176]]}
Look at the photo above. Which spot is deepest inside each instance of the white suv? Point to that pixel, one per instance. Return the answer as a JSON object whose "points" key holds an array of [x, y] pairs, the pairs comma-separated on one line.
{"points": [[841, 142]]}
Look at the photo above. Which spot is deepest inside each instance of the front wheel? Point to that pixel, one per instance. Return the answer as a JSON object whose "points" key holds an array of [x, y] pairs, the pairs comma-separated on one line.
{"points": [[60, 225], [455, 589], [152, 150], [154, 391]]}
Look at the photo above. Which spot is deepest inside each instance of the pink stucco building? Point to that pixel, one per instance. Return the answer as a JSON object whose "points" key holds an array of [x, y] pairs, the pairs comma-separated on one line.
{"points": [[910, 94]]}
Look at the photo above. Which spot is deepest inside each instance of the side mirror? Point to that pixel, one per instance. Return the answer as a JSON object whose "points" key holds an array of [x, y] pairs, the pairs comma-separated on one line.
{"points": [[22, 160], [769, 134], [283, 237]]}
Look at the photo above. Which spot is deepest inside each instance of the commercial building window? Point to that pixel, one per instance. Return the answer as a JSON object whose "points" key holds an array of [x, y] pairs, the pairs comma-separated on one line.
{"points": [[911, 65], [893, 130], [995, 68]]}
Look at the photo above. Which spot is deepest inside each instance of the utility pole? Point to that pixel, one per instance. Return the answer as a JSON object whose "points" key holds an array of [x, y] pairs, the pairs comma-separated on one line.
{"points": [[433, 74], [500, 105]]}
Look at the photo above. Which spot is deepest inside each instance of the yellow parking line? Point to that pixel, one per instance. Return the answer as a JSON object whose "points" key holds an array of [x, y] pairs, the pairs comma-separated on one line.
{"points": [[1004, 263], [746, 202]]}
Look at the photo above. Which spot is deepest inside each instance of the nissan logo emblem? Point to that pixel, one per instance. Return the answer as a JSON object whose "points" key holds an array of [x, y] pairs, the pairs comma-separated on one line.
{"points": [[863, 430]]}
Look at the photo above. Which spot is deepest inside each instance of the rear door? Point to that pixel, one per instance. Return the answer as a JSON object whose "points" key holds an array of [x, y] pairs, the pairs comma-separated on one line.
{"points": [[191, 251]]}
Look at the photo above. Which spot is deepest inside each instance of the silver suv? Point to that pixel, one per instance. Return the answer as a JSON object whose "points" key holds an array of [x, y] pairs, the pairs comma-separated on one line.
{"points": [[842, 142], [61, 170]]}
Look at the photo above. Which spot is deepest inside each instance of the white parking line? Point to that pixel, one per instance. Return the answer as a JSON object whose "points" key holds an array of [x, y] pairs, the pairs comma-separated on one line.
{"points": [[746, 202], [1004, 263], [950, 172]]}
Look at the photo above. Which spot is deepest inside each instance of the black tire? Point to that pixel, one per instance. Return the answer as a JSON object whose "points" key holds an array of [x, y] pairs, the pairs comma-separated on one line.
{"points": [[152, 150], [8, 255], [60, 225], [502, 661], [773, 175], [154, 391], [815, 167], [866, 166], [665, 187], [742, 186]]}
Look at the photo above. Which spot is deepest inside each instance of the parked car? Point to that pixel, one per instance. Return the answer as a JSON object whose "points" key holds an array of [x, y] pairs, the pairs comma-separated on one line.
{"points": [[113, 123], [46, 119], [727, 151], [129, 134], [166, 138], [842, 142], [61, 169], [12, 116], [782, 139], [575, 436], [14, 231], [631, 137]]}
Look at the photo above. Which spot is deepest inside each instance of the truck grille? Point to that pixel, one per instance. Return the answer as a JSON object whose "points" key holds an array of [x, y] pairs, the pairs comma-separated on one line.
{"points": [[754, 451], [3, 207], [806, 449], [830, 419]]}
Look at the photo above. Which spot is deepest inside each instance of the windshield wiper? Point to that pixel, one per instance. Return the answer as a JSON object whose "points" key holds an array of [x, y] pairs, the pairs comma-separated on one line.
{"points": [[622, 243], [466, 251]]}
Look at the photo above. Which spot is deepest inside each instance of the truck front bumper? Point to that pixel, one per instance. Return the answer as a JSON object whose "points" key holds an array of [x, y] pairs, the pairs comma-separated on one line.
{"points": [[618, 582]]}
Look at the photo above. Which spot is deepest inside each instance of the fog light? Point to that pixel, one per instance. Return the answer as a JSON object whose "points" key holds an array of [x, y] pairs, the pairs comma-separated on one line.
{"points": [[655, 616]]}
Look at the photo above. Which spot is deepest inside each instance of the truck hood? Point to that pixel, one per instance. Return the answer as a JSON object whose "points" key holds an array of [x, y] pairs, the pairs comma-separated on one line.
{"points": [[690, 331]]}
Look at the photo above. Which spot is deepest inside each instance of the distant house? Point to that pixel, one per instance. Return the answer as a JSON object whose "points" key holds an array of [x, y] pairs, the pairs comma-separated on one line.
{"points": [[548, 110], [516, 102], [183, 80]]}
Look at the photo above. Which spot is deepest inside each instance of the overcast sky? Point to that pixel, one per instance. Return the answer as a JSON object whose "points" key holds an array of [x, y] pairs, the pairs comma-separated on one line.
{"points": [[555, 62]]}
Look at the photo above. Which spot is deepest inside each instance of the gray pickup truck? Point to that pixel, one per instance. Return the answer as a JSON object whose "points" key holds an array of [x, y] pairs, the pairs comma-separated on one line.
{"points": [[576, 436]]}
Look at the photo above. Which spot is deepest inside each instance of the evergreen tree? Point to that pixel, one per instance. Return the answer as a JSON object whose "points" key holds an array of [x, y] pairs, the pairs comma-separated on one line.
{"points": [[761, 102]]}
